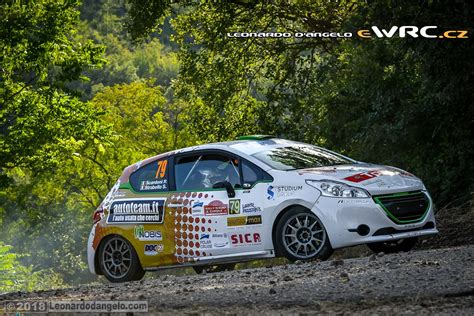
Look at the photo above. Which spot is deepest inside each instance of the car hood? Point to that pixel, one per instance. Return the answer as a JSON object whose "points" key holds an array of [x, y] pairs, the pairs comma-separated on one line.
{"points": [[376, 179]]}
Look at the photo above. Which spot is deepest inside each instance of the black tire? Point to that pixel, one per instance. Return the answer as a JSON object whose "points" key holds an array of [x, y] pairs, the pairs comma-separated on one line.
{"points": [[214, 268], [310, 234], [401, 245], [118, 260]]}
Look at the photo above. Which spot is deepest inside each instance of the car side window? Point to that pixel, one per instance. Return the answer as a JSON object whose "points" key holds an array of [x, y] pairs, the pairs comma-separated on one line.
{"points": [[203, 171], [252, 174], [152, 177]]}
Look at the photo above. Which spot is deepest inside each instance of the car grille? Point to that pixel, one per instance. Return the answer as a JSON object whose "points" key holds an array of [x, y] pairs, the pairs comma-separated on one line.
{"points": [[407, 207]]}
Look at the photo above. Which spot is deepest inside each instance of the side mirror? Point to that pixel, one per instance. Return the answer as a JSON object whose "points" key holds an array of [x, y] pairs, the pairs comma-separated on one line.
{"points": [[247, 186], [228, 187]]}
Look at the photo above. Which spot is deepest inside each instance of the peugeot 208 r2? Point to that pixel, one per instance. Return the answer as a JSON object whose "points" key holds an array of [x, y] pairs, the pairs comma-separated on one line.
{"points": [[257, 197]]}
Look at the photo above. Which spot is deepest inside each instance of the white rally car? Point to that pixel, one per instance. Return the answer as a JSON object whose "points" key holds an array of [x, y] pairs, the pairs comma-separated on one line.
{"points": [[256, 197]]}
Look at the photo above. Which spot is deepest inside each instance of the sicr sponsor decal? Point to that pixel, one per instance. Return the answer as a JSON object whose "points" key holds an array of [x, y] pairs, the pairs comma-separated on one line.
{"points": [[249, 239]]}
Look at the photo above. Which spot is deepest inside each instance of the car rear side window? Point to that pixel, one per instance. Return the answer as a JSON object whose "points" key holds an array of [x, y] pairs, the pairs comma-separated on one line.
{"points": [[152, 177]]}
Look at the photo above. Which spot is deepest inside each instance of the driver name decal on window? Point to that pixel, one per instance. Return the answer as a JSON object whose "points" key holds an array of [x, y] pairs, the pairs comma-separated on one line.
{"points": [[152, 177], [160, 183]]}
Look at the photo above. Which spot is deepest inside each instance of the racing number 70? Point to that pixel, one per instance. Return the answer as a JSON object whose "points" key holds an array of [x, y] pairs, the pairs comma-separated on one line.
{"points": [[161, 171]]}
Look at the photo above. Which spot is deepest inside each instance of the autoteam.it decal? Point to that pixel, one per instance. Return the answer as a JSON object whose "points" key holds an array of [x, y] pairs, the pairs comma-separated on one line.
{"points": [[140, 211]]}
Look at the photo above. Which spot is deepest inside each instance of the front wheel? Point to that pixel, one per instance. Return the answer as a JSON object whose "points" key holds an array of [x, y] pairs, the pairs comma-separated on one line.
{"points": [[300, 235], [119, 261], [393, 246]]}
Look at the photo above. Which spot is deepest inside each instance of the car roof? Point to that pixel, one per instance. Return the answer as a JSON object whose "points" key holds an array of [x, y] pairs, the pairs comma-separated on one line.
{"points": [[250, 147], [244, 146], [247, 146]]}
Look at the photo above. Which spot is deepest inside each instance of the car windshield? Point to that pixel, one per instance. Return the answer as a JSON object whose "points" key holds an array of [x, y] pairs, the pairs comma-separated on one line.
{"points": [[300, 157]]}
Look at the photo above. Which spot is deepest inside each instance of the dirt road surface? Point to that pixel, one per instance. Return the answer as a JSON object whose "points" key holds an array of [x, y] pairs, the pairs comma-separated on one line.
{"points": [[437, 281]]}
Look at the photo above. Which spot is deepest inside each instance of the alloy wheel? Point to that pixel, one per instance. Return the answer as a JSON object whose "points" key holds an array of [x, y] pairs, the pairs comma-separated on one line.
{"points": [[303, 235], [117, 258]]}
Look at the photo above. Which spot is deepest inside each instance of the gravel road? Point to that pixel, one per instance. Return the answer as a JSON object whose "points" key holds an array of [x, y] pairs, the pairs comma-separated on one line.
{"points": [[438, 281]]}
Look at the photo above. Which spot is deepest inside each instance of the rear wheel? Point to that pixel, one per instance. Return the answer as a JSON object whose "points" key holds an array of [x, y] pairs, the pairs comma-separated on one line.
{"points": [[393, 246], [300, 235], [214, 268], [119, 261]]}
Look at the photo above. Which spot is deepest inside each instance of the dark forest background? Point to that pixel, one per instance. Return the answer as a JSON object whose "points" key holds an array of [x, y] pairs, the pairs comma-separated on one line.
{"points": [[87, 88]]}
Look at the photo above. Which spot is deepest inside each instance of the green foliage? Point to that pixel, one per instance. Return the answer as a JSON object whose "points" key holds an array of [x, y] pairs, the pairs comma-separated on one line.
{"points": [[40, 123], [103, 23], [71, 121], [393, 101], [49, 215], [58, 165], [145, 16], [16, 277]]}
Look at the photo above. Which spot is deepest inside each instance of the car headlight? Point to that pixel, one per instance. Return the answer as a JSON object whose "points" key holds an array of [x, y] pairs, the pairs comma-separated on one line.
{"points": [[337, 189]]}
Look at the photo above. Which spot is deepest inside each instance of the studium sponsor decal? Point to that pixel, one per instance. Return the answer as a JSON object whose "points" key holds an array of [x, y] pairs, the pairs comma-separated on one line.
{"points": [[244, 220], [216, 207], [153, 249], [270, 193], [250, 208], [147, 235], [143, 211], [249, 239], [279, 191]]}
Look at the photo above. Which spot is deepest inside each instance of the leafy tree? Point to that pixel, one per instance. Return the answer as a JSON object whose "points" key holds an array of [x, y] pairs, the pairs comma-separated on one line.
{"points": [[102, 21], [393, 101], [16, 277], [49, 216], [39, 121]]}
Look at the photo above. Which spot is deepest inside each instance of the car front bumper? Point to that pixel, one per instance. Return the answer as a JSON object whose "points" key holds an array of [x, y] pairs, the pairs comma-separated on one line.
{"points": [[343, 216]]}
